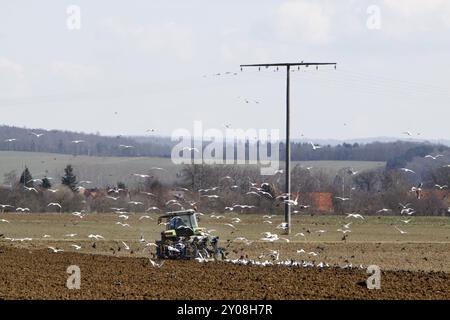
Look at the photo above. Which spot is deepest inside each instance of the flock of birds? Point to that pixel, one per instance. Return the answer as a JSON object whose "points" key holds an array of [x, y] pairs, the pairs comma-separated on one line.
{"points": [[212, 193]]}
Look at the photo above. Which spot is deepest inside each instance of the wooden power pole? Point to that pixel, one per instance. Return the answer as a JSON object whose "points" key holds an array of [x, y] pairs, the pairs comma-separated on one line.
{"points": [[287, 206]]}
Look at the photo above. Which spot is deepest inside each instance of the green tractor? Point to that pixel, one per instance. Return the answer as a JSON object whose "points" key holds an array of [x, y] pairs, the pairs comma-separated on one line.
{"points": [[184, 239]]}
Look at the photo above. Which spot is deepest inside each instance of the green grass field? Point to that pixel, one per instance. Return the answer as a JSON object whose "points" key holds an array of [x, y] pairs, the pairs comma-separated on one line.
{"points": [[109, 170]]}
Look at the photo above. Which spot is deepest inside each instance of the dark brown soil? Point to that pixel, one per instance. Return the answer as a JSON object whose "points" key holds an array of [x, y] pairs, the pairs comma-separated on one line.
{"points": [[40, 274]]}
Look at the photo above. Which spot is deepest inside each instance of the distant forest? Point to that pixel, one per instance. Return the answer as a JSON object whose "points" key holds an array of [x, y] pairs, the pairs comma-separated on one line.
{"points": [[396, 154]]}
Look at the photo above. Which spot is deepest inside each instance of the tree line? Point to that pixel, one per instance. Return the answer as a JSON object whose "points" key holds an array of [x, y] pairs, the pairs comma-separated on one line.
{"points": [[62, 142]]}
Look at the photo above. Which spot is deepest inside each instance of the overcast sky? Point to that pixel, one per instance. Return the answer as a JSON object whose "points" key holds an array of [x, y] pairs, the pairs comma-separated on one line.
{"points": [[136, 65]]}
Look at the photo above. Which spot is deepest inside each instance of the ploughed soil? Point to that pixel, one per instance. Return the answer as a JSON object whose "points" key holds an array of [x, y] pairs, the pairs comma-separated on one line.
{"points": [[41, 274]]}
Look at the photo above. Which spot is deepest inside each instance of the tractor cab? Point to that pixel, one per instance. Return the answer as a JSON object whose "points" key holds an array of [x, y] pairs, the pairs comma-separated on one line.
{"points": [[180, 224], [184, 239]]}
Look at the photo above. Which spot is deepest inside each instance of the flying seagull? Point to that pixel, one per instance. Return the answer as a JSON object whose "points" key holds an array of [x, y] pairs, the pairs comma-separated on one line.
{"points": [[37, 135], [54, 204], [342, 198], [434, 157], [95, 236], [31, 189], [125, 246], [155, 264], [355, 215]]}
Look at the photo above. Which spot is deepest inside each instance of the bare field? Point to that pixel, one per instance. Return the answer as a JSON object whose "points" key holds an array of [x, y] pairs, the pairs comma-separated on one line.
{"points": [[26, 274], [414, 265]]}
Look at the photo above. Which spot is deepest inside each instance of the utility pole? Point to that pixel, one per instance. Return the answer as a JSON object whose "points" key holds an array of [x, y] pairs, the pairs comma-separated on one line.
{"points": [[287, 207]]}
